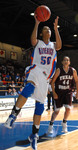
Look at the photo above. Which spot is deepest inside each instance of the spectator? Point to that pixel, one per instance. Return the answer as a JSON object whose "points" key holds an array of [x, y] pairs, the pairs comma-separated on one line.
{"points": [[18, 82], [14, 92], [13, 76], [12, 84], [4, 81], [9, 91], [0, 78], [4, 70], [7, 76], [1, 69], [1, 83], [20, 90], [17, 77]]}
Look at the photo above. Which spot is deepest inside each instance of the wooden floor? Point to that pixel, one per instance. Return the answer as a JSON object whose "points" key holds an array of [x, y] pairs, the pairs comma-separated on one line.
{"points": [[67, 141], [64, 142]]}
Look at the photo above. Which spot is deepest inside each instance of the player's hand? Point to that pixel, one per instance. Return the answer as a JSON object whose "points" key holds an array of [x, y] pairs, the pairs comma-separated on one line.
{"points": [[56, 23], [55, 95], [36, 19]]}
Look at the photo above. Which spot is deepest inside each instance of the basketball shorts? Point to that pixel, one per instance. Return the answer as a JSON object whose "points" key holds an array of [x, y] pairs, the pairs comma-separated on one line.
{"points": [[35, 74], [64, 99]]}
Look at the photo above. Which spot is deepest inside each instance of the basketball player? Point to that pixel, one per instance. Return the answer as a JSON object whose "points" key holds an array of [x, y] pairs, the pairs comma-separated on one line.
{"points": [[62, 85], [37, 75]]}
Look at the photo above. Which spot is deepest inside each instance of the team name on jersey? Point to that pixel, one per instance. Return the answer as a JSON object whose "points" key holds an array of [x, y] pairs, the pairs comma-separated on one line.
{"points": [[46, 51], [66, 77], [63, 87]]}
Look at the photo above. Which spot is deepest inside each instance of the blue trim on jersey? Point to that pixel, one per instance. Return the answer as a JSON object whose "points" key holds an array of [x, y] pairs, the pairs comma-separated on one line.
{"points": [[32, 56], [55, 56], [54, 66], [28, 71]]}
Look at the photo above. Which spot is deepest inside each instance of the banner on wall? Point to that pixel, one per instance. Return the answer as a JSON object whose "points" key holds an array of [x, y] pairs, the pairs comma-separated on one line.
{"points": [[7, 103], [13, 55], [2, 53]]}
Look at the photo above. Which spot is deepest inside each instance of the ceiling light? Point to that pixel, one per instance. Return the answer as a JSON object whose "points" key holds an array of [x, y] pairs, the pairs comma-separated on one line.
{"points": [[32, 14], [58, 26], [75, 35]]}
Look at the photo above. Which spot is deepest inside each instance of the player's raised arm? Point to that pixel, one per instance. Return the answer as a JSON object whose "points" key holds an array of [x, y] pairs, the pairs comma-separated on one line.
{"points": [[57, 35], [34, 39], [76, 81]]}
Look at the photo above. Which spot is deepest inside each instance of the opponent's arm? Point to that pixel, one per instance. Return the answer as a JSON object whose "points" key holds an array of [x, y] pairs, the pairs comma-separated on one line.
{"points": [[76, 81], [57, 72], [58, 45], [34, 39]]}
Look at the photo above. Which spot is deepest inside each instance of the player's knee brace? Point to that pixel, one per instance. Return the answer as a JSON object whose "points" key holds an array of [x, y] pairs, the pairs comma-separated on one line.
{"points": [[28, 90], [39, 108]]}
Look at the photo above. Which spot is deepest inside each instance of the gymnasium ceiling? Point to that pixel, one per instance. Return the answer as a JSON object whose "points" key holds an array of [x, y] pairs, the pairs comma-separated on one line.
{"points": [[16, 24]]}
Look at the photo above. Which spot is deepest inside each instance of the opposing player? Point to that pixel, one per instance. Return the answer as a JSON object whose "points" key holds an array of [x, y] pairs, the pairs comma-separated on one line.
{"points": [[37, 76], [62, 85]]}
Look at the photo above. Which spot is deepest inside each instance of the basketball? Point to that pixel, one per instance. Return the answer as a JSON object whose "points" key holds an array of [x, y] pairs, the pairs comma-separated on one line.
{"points": [[43, 13]]}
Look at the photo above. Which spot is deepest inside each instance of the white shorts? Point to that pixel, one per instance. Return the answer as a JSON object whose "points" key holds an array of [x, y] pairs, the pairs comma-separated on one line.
{"points": [[41, 83]]}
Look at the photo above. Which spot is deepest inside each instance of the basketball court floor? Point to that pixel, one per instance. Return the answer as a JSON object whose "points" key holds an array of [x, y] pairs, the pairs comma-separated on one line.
{"points": [[17, 138]]}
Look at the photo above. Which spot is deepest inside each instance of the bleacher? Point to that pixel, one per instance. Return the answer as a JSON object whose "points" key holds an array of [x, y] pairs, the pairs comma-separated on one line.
{"points": [[4, 89]]}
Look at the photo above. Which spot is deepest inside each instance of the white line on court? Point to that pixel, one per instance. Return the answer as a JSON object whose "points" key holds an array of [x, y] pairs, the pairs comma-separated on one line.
{"points": [[48, 125]]}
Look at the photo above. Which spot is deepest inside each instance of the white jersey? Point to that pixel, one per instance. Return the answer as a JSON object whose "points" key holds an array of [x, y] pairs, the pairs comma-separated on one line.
{"points": [[42, 68], [44, 56]]}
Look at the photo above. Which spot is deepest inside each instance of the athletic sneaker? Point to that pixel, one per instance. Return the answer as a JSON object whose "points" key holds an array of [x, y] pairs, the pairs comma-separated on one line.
{"points": [[50, 129], [33, 141], [10, 121], [64, 127]]}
